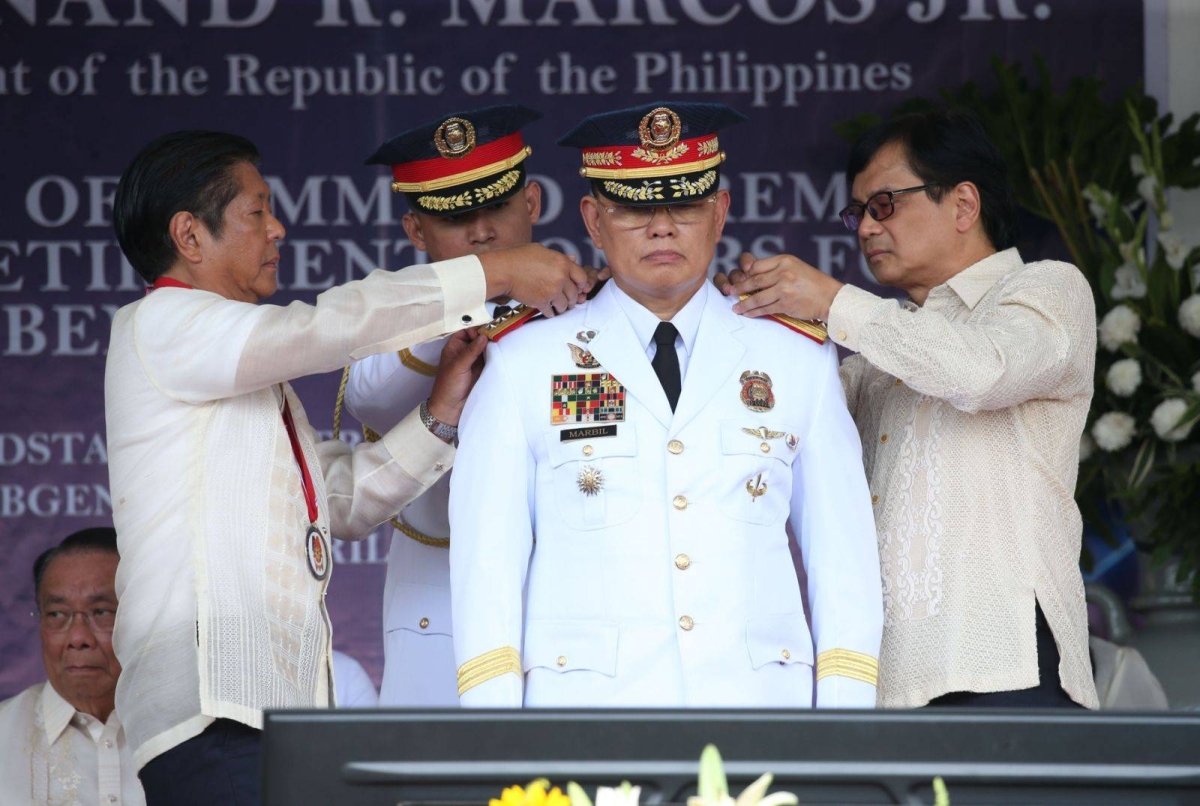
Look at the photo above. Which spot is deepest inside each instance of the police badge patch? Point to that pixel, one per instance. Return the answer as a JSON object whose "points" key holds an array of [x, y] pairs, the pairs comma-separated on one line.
{"points": [[756, 391], [586, 397]]}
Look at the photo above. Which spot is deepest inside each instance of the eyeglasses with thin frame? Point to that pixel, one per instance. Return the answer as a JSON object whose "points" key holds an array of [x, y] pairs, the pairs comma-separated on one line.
{"points": [[880, 206], [54, 620], [627, 217]]}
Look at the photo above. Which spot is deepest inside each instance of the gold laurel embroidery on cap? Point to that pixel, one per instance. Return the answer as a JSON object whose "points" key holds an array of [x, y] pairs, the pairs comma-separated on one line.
{"points": [[655, 157], [649, 191], [497, 188], [653, 171], [487, 666], [455, 138], [442, 203], [707, 148], [599, 159], [701, 185], [847, 663]]}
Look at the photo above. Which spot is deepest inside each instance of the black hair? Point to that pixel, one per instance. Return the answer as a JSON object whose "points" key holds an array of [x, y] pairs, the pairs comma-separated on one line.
{"points": [[97, 538], [945, 148], [188, 170]]}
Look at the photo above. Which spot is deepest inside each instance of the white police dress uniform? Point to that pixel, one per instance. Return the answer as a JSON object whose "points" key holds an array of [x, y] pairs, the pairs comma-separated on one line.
{"points": [[654, 543], [450, 166]]}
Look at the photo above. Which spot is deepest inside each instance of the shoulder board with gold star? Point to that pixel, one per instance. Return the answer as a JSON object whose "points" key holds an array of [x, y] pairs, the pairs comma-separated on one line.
{"points": [[809, 328], [512, 320]]}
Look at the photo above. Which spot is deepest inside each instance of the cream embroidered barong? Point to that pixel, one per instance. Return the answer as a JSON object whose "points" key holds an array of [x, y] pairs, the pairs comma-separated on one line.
{"points": [[220, 616], [970, 410]]}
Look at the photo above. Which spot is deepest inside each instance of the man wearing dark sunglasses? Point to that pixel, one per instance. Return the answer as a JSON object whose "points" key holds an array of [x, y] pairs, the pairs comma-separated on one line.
{"points": [[970, 397]]}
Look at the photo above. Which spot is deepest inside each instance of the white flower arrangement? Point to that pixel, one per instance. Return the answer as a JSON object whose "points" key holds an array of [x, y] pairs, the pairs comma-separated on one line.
{"points": [[1128, 283], [1189, 315], [1114, 431], [1168, 420], [1119, 327], [1175, 251], [1124, 377]]}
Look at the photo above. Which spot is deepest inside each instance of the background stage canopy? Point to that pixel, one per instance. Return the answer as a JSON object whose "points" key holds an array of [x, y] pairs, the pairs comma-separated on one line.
{"points": [[319, 84]]}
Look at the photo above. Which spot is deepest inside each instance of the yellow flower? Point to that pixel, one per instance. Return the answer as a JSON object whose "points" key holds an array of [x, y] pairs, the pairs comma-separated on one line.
{"points": [[534, 795]]}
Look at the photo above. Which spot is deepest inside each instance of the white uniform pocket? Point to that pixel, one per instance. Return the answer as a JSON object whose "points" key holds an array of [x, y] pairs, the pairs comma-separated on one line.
{"points": [[568, 646], [778, 639], [756, 480], [596, 480]]}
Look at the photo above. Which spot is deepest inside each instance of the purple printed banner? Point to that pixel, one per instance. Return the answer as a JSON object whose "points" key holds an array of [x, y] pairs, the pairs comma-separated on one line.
{"points": [[318, 84]]}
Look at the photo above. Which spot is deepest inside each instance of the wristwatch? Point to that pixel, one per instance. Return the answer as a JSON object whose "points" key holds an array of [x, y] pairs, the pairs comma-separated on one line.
{"points": [[436, 426]]}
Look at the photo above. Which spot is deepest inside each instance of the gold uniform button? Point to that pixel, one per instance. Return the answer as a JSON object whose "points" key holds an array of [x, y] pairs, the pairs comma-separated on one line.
{"points": [[787, 655], [588, 450], [899, 382], [765, 447], [842, 335], [686, 623], [874, 499], [562, 660], [682, 561], [883, 438], [424, 623], [679, 502], [675, 446]]}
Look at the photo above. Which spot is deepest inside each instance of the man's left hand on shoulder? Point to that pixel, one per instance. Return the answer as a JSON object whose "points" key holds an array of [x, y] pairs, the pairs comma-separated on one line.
{"points": [[781, 284]]}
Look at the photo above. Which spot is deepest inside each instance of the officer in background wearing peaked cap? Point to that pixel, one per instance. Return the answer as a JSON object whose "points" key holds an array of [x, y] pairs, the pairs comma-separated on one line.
{"points": [[464, 178], [634, 465]]}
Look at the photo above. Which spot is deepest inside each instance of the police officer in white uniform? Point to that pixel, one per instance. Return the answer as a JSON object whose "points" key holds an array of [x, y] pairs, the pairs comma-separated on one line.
{"points": [[464, 179], [637, 460]]}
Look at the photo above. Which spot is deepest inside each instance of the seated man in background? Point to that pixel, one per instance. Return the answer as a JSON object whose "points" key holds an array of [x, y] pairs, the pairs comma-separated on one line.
{"points": [[658, 445], [61, 741]]}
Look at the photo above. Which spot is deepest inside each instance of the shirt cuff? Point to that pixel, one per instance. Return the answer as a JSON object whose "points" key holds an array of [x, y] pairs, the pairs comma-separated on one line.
{"points": [[848, 313], [464, 292], [418, 452]]}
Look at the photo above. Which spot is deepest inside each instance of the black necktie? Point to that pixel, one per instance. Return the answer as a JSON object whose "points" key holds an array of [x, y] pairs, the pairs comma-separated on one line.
{"points": [[666, 361]]}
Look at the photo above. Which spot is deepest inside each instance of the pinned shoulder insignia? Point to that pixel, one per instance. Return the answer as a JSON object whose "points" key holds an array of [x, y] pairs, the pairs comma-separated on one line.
{"points": [[583, 359], [756, 391], [586, 397], [509, 322], [810, 328]]}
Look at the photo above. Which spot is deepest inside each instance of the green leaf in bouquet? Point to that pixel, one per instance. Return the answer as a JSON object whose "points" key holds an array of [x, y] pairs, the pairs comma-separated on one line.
{"points": [[712, 786], [1143, 462]]}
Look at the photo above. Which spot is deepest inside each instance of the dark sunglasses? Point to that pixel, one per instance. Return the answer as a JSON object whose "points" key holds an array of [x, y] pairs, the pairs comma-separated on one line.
{"points": [[880, 206]]}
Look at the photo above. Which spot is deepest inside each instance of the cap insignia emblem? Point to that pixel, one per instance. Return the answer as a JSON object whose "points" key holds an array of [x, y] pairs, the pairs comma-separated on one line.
{"points": [[659, 134], [455, 138]]}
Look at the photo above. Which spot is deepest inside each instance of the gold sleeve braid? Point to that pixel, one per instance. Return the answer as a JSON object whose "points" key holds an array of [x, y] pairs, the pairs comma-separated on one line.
{"points": [[487, 666], [847, 663]]}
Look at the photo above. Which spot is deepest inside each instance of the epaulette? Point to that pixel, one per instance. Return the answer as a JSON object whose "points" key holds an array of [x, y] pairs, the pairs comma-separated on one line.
{"points": [[811, 328], [512, 320], [519, 315]]}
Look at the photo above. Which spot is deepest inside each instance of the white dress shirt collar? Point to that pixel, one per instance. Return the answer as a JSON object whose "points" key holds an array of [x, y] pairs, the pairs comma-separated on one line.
{"points": [[57, 713], [644, 322]]}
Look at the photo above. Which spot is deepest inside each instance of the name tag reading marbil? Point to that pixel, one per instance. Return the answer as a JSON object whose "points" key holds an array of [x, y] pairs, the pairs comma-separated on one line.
{"points": [[586, 397], [572, 434]]}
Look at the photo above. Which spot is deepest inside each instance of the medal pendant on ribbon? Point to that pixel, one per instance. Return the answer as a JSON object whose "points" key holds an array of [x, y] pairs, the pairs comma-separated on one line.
{"points": [[317, 551]]}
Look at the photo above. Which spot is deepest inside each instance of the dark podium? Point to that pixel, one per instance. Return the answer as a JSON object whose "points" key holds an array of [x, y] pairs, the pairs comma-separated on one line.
{"points": [[355, 758]]}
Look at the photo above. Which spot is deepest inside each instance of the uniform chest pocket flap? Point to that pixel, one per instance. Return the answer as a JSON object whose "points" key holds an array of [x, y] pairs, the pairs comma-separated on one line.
{"points": [[756, 476], [778, 639], [568, 646], [595, 480]]}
